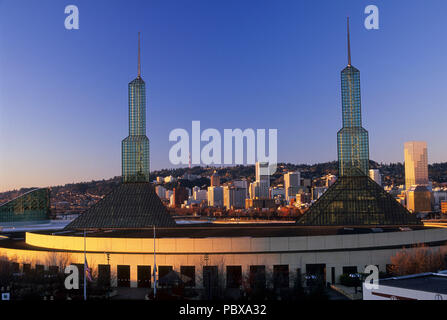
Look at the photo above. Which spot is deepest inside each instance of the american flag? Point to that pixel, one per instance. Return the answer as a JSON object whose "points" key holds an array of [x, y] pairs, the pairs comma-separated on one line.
{"points": [[88, 271], [155, 275]]}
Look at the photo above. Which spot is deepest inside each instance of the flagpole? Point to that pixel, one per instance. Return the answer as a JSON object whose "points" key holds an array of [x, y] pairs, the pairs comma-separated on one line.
{"points": [[155, 270], [85, 279]]}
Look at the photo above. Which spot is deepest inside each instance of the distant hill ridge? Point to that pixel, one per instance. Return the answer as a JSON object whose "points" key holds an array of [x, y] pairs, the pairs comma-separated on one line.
{"points": [[392, 173]]}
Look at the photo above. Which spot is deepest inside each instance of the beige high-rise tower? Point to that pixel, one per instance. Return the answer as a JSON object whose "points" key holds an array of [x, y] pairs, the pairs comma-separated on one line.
{"points": [[416, 164]]}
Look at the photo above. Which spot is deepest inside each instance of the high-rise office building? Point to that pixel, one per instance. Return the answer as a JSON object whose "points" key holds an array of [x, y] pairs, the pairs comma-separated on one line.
{"points": [[255, 190], [200, 195], [135, 148], [180, 195], [374, 174], [329, 180], [303, 198], [416, 164], [262, 171], [276, 192], [418, 199], [215, 197], [317, 192], [352, 139], [234, 197], [215, 179], [243, 184], [263, 179], [161, 192], [439, 195], [291, 184]]}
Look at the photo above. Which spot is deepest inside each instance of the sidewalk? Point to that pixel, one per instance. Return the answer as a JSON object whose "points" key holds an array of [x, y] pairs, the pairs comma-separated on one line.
{"points": [[348, 292]]}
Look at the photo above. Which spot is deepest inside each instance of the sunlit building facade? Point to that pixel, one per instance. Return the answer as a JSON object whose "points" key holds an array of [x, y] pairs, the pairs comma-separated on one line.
{"points": [[374, 174], [416, 164], [262, 171], [215, 197], [291, 184], [444, 206], [234, 197], [418, 199], [135, 148], [262, 180]]}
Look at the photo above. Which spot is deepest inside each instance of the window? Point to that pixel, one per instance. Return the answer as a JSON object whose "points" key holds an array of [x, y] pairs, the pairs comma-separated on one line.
{"points": [[104, 275], [234, 276], [281, 276], [210, 281], [299, 278], [26, 267], [53, 270], [144, 276], [164, 281], [315, 274], [163, 271], [257, 277], [188, 275], [123, 276], [15, 267], [40, 268], [349, 270], [210, 276]]}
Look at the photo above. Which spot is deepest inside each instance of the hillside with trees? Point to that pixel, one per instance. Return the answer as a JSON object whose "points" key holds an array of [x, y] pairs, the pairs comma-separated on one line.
{"points": [[392, 174]]}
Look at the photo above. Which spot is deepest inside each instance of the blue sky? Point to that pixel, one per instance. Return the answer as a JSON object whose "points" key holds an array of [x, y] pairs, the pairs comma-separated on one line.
{"points": [[230, 64]]}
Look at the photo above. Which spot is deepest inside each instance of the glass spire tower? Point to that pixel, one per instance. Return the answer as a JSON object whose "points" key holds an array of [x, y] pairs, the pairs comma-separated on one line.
{"points": [[135, 148], [355, 199], [352, 139]]}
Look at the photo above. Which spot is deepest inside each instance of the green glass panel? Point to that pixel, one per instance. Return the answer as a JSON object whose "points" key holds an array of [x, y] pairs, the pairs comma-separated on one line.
{"points": [[31, 206]]}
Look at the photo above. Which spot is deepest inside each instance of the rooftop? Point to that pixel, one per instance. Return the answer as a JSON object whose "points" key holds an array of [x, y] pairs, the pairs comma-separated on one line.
{"points": [[428, 282], [230, 230], [129, 206]]}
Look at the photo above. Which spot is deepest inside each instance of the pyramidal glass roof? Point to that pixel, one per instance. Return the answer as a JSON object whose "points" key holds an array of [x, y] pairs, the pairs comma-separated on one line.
{"points": [[357, 201], [129, 206]]}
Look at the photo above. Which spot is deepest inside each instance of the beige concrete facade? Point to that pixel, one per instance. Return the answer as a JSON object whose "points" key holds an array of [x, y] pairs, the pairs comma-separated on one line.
{"points": [[334, 251]]}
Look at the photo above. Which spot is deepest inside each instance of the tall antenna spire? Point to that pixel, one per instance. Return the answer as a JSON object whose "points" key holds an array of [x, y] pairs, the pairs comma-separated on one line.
{"points": [[349, 47], [139, 63]]}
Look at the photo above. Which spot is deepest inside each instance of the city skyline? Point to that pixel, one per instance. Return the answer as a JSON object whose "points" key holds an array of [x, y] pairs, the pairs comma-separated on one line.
{"points": [[36, 156]]}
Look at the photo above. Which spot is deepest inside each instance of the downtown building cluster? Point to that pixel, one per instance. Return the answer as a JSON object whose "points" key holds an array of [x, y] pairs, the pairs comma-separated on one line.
{"points": [[417, 194], [239, 193]]}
